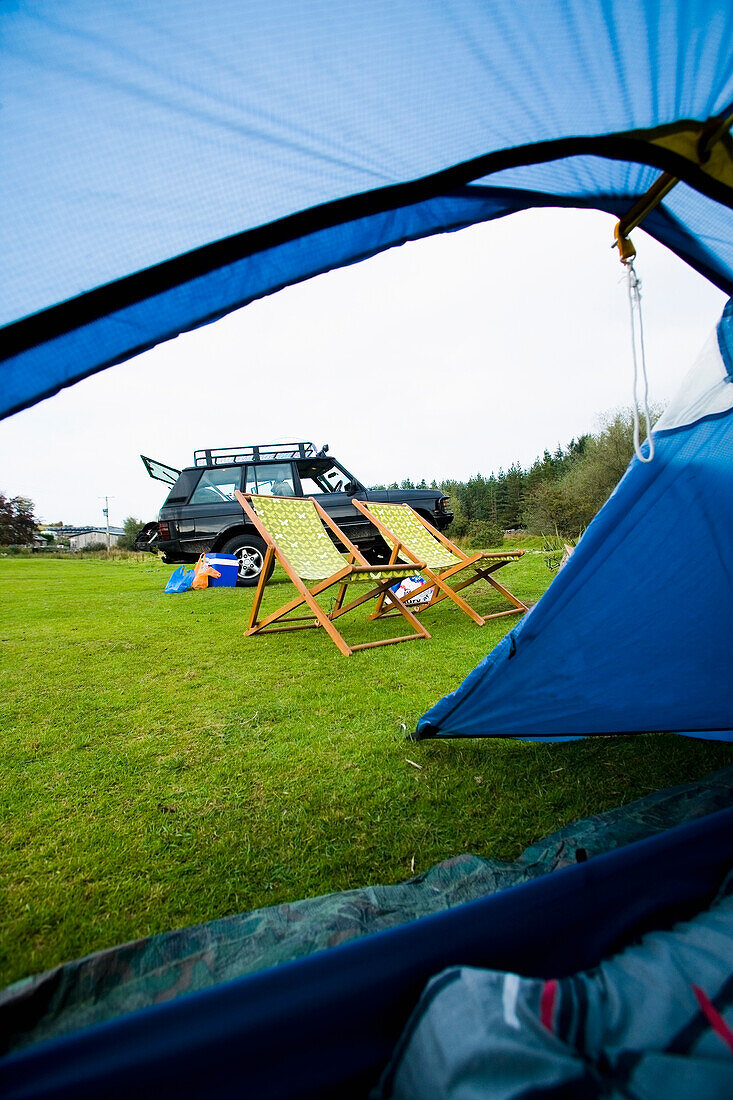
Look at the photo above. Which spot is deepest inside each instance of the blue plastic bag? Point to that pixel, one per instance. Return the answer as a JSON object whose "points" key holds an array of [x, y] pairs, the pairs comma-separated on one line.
{"points": [[180, 580]]}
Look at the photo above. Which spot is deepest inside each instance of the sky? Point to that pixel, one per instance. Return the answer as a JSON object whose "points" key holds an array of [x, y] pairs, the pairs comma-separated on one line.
{"points": [[454, 355]]}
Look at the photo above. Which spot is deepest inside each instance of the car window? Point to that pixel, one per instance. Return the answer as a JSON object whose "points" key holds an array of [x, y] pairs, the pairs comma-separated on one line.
{"points": [[181, 491], [322, 478], [217, 485], [309, 486], [271, 479]]}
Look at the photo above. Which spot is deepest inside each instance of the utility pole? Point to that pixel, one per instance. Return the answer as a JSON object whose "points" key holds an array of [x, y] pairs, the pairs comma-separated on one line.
{"points": [[105, 513]]}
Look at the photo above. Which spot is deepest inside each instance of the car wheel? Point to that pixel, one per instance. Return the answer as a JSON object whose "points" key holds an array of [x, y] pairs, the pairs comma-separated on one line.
{"points": [[250, 550]]}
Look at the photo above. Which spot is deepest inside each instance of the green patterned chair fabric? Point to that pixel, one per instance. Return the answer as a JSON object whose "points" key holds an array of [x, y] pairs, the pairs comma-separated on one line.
{"points": [[406, 526], [297, 529]]}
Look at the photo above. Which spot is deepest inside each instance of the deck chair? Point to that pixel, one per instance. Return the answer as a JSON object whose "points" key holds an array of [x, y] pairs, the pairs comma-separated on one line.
{"points": [[293, 529], [412, 537]]}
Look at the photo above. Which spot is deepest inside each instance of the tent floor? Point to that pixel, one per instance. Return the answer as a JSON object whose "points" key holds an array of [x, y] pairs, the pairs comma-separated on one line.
{"points": [[103, 986]]}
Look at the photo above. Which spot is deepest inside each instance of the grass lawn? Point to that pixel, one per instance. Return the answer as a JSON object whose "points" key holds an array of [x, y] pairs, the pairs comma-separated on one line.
{"points": [[158, 769]]}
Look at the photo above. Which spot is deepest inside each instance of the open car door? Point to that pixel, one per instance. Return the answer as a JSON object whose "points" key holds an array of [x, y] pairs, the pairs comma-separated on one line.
{"points": [[159, 471]]}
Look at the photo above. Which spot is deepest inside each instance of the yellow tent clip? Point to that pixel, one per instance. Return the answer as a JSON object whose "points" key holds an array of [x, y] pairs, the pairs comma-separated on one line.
{"points": [[708, 141], [626, 250]]}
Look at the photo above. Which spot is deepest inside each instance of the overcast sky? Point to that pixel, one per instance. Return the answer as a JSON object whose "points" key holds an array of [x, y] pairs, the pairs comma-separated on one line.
{"points": [[454, 355]]}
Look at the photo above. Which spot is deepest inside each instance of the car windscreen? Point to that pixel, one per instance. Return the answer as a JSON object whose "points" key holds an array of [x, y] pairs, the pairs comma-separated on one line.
{"points": [[324, 476]]}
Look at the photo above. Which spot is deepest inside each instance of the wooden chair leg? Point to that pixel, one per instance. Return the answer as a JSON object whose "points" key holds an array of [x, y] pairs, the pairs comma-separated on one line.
{"points": [[320, 617], [380, 599], [324, 621], [419, 629], [504, 591], [254, 611], [404, 610], [449, 593], [305, 597]]}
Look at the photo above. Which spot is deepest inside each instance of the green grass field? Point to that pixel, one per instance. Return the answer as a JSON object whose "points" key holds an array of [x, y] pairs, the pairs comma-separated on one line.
{"points": [[158, 769]]}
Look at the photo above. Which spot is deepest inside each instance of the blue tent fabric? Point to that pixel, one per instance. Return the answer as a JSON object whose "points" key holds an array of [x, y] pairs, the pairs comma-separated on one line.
{"points": [[632, 635], [163, 165], [725, 340]]}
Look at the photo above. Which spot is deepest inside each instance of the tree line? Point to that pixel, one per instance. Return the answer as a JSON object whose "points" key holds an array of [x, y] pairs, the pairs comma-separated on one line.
{"points": [[557, 495]]}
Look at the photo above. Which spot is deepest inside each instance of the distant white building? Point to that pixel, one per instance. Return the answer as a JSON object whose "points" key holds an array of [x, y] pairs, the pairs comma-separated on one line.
{"points": [[88, 536]]}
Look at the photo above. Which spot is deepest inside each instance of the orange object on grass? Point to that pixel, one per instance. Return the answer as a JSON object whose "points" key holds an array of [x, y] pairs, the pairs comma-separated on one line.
{"points": [[202, 572]]}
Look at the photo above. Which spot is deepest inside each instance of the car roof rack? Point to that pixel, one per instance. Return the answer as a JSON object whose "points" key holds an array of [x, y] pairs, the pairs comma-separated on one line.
{"points": [[253, 452]]}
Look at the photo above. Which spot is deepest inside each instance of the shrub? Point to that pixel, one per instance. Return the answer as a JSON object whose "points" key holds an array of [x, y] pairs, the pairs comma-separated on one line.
{"points": [[131, 526], [482, 533], [567, 506]]}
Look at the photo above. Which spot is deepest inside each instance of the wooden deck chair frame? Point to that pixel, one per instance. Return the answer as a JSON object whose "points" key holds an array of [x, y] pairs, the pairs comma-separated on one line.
{"points": [[356, 567], [483, 562]]}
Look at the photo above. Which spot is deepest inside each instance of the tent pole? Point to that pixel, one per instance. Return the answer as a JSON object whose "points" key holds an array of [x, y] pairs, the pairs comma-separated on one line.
{"points": [[661, 188]]}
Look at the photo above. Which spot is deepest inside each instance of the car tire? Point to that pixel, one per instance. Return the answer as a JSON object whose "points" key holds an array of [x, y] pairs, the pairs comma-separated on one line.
{"points": [[250, 549]]}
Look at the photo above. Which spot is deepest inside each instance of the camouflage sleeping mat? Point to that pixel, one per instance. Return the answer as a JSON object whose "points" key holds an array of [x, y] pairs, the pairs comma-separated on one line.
{"points": [[162, 967]]}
